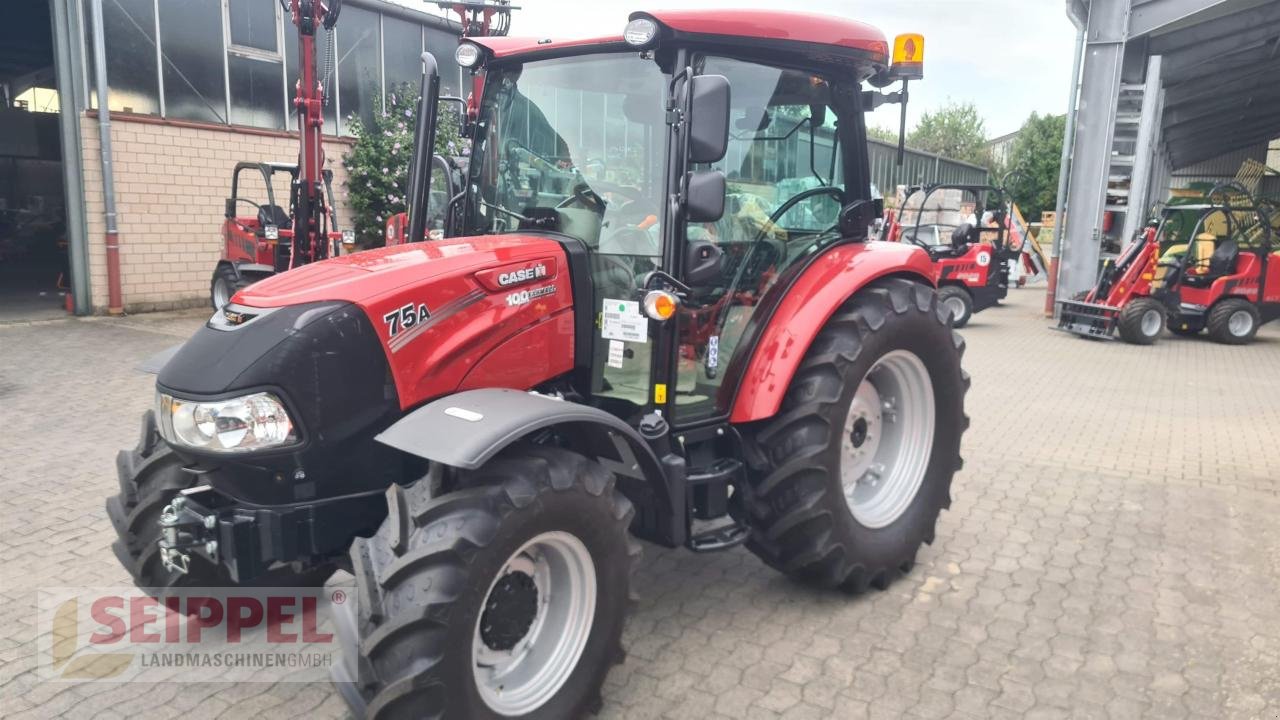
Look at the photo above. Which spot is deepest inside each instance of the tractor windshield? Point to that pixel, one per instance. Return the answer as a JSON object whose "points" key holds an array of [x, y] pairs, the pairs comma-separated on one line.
{"points": [[574, 145]]}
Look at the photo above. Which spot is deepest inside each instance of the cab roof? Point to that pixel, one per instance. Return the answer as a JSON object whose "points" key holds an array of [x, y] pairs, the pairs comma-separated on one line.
{"points": [[787, 30]]}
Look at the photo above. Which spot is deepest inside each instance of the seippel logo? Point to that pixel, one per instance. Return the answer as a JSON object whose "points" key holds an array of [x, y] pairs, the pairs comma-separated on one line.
{"points": [[66, 659], [122, 635], [515, 277]]}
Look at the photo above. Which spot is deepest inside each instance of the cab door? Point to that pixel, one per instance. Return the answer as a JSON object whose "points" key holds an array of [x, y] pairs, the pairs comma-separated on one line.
{"points": [[785, 187]]}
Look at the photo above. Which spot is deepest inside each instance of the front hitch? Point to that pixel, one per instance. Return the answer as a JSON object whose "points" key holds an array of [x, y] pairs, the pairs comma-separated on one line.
{"points": [[183, 530]]}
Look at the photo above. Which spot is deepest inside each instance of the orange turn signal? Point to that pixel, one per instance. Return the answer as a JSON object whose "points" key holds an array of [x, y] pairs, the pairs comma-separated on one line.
{"points": [[660, 305]]}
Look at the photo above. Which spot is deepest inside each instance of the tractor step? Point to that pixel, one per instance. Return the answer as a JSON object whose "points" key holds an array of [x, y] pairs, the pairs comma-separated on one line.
{"points": [[712, 526], [721, 537]]}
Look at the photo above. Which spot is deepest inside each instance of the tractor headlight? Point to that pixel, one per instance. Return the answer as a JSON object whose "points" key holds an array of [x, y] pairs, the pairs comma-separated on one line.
{"points": [[271, 232], [348, 237], [640, 32], [252, 422], [467, 55]]}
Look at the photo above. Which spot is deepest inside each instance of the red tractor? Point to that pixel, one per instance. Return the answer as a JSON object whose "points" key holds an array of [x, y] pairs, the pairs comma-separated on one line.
{"points": [[271, 240], [478, 428], [260, 244], [970, 261], [1202, 267]]}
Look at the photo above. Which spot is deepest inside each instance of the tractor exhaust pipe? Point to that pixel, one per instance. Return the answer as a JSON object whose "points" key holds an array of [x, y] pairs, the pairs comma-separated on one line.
{"points": [[424, 143]]}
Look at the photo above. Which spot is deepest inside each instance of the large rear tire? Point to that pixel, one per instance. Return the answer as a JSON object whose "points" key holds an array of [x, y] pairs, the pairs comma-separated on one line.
{"points": [[848, 479], [1233, 321], [150, 476], [462, 610], [1141, 321]]}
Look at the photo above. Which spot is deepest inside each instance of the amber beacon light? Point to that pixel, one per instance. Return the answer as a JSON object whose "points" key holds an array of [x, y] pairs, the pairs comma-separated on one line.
{"points": [[908, 56]]}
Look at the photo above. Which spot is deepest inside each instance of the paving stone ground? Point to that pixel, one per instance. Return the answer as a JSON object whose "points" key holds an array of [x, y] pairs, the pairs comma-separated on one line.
{"points": [[1113, 549]]}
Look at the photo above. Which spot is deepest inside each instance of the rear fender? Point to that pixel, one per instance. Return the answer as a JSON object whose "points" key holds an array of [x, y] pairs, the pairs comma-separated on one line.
{"points": [[466, 429], [811, 300]]}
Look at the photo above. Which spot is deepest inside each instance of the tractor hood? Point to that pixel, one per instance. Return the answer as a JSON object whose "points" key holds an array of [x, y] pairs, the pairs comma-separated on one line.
{"points": [[366, 277]]}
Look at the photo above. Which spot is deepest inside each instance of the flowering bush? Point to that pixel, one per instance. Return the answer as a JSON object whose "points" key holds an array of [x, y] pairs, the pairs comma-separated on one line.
{"points": [[378, 164]]}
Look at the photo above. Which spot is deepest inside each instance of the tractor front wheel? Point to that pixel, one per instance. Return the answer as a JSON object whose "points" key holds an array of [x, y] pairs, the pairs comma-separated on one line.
{"points": [[1233, 321], [848, 479], [503, 598], [226, 283], [1141, 321], [957, 302]]}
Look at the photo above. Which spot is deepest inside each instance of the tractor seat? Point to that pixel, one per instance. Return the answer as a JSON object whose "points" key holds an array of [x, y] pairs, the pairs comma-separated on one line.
{"points": [[274, 215], [1221, 263]]}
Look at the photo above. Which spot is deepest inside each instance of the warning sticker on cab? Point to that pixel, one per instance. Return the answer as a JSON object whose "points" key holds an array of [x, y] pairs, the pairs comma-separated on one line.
{"points": [[621, 320]]}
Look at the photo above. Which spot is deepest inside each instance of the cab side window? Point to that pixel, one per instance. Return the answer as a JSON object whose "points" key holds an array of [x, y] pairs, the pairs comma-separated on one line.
{"points": [[785, 190]]}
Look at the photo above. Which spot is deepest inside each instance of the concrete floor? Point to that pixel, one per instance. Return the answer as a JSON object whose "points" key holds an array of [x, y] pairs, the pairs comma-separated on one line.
{"points": [[1113, 549]]}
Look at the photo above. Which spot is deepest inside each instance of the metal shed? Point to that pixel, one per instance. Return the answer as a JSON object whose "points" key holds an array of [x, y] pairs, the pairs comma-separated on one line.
{"points": [[1169, 91]]}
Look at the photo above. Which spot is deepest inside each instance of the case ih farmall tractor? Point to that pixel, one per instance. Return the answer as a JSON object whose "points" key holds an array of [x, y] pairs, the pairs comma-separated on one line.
{"points": [[970, 262], [272, 240], [1202, 267], [479, 427]]}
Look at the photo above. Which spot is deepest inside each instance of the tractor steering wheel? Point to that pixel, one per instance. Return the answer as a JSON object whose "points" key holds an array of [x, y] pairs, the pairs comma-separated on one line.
{"points": [[587, 194], [796, 200]]}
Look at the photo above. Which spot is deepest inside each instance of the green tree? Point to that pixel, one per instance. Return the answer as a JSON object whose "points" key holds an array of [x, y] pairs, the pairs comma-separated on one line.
{"points": [[378, 164], [955, 131], [875, 132], [1037, 155]]}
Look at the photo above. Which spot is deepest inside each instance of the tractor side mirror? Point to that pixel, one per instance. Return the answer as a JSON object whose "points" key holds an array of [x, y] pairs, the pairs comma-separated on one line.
{"points": [[703, 263], [708, 118], [704, 192], [229, 209]]}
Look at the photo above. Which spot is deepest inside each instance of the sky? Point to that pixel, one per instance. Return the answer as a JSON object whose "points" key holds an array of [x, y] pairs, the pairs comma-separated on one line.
{"points": [[1008, 57]]}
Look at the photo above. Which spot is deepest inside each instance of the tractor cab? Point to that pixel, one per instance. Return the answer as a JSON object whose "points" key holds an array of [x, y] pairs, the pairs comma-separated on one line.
{"points": [[257, 231]]}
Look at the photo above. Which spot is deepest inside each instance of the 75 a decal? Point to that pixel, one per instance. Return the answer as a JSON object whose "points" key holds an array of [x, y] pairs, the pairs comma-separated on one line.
{"points": [[405, 317]]}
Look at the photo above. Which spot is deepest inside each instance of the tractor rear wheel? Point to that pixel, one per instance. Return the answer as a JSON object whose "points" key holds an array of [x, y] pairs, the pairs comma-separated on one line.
{"points": [[150, 476], [503, 598], [958, 303], [1141, 321], [1233, 321], [848, 479]]}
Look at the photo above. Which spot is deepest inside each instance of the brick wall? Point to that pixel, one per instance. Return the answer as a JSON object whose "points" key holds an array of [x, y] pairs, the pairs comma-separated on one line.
{"points": [[171, 182]]}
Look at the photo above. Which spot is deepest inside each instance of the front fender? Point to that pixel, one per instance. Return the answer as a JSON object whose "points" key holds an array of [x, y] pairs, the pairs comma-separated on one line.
{"points": [[466, 429], [811, 300]]}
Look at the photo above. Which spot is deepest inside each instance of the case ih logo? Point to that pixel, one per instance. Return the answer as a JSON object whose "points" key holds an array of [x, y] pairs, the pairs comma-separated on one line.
{"points": [[189, 635], [515, 277]]}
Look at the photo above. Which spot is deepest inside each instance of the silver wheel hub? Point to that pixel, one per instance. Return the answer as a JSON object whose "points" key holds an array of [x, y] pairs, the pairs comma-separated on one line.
{"points": [[1239, 323], [1151, 323], [888, 438], [534, 624], [954, 306]]}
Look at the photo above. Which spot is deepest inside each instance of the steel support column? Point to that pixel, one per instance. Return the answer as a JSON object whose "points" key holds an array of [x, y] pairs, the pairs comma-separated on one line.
{"points": [[1144, 153], [68, 69], [1106, 32]]}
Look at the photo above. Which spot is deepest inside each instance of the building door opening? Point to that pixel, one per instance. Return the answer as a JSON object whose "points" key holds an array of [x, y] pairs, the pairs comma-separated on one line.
{"points": [[34, 275]]}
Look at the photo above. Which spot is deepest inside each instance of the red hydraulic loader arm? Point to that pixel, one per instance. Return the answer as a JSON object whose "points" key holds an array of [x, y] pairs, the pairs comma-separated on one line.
{"points": [[311, 211]]}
